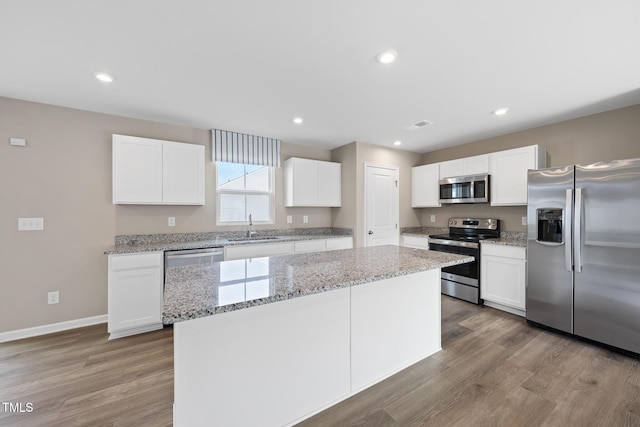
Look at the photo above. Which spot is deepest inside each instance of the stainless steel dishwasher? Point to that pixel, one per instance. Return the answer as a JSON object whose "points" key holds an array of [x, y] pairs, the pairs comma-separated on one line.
{"points": [[193, 256]]}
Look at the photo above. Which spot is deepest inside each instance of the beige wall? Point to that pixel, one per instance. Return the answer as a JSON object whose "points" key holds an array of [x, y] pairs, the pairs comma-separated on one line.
{"points": [[353, 158], [64, 176], [605, 136]]}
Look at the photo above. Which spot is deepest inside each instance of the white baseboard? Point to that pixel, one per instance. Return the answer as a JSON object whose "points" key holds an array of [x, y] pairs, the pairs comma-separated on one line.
{"points": [[49, 329], [506, 308]]}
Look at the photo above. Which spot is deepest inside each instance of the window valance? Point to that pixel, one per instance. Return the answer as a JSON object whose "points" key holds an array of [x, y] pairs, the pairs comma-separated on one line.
{"points": [[234, 147]]}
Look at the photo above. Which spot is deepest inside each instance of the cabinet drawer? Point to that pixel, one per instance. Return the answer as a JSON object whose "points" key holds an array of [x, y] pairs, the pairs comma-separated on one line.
{"points": [[257, 250], [416, 242], [125, 262], [309, 246], [504, 251], [339, 243]]}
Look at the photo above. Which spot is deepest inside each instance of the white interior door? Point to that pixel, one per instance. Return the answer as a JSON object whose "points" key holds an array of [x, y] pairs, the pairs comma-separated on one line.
{"points": [[381, 205]]}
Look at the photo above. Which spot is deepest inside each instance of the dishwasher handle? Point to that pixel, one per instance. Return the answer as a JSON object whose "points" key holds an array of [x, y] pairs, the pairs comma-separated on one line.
{"points": [[196, 255]]}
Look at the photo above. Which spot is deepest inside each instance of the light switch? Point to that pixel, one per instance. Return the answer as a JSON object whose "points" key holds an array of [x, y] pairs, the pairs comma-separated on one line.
{"points": [[305, 219], [524, 220], [433, 218], [172, 221], [289, 219]]}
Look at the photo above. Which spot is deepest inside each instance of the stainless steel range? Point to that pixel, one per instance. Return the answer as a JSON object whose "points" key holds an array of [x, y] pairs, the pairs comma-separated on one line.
{"points": [[463, 281]]}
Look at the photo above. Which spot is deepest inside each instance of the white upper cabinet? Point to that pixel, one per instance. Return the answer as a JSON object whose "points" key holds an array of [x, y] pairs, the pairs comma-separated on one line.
{"points": [[155, 172], [137, 170], [183, 174], [312, 183], [509, 173], [475, 165], [425, 191]]}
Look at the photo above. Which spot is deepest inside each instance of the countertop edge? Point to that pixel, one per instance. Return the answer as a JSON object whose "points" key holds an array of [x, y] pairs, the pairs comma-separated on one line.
{"points": [[206, 244], [170, 320]]}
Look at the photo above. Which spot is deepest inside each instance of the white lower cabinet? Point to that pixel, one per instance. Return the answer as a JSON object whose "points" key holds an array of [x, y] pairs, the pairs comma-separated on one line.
{"points": [[502, 277], [304, 246], [135, 293], [415, 242], [286, 248], [339, 243]]}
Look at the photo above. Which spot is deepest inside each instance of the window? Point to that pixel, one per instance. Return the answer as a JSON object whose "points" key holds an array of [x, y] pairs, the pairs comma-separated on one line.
{"points": [[244, 190]]}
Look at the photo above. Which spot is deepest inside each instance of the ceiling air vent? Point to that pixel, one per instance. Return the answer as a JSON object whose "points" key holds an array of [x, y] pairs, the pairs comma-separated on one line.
{"points": [[419, 125]]}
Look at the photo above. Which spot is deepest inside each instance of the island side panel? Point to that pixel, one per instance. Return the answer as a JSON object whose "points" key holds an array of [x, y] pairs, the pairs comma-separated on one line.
{"points": [[266, 365], [395, 323]]}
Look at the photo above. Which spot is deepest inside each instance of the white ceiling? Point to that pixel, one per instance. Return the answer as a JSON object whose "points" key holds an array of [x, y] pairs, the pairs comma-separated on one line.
{"points": [[252, 65]]}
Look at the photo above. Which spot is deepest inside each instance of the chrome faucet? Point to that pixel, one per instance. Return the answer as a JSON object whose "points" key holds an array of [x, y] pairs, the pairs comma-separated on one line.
{"points": [[250, 233]]}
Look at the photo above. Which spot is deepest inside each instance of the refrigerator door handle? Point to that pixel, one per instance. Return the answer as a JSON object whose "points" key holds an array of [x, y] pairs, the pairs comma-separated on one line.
{"points": [[568, 234], [577, 232]]}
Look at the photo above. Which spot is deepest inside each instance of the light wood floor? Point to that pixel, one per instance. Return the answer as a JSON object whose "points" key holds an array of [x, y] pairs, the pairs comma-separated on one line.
{"points": [[494, 370]]}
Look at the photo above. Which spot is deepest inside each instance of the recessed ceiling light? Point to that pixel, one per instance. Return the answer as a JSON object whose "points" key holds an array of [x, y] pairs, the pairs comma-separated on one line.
{"points": [[397, 143], [104, 77], [500, 111], [297, 120], [387, 57]]}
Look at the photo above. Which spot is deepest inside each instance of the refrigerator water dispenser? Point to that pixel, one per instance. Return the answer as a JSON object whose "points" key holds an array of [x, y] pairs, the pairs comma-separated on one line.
{"points": [[550, 225]]}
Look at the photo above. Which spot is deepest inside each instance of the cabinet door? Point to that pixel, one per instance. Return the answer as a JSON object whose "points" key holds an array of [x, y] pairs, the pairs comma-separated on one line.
{"points": [[509, 174], [476, 165], [183, 174], [329, 184], [503, 277], [135, 298], [304, 182], [451, 168], [137, 170], [425, 191]]}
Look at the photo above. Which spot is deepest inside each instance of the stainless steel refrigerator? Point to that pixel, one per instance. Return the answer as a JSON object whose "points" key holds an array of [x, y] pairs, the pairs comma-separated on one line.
{"points": [[583, 251]]}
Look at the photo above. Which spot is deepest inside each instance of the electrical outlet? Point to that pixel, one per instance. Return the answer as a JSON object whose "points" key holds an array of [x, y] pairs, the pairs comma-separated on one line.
{"points": [[30, 224], [305, 219], [53, 297], [289, 219], [524, 220], [433, 218], [172, 221]]}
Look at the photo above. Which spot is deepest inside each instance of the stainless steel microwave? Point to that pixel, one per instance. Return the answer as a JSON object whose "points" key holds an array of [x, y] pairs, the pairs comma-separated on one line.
{"points": [[465, 189]]}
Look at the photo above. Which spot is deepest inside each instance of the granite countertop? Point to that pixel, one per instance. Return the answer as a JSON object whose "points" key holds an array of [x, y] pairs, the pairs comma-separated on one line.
{"points": [[423, 231], [182, 241], [197, 290], [509, 238]]}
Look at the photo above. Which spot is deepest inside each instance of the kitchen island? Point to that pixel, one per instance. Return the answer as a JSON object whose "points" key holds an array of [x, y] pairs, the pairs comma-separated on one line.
{"points": [[271, 341]]}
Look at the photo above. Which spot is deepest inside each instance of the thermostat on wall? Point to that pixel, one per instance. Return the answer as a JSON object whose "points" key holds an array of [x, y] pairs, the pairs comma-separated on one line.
{"points": [[18, 142]]}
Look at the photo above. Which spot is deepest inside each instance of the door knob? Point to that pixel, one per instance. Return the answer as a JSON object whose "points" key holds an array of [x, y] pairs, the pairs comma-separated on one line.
{"points": [[370, 232]]}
